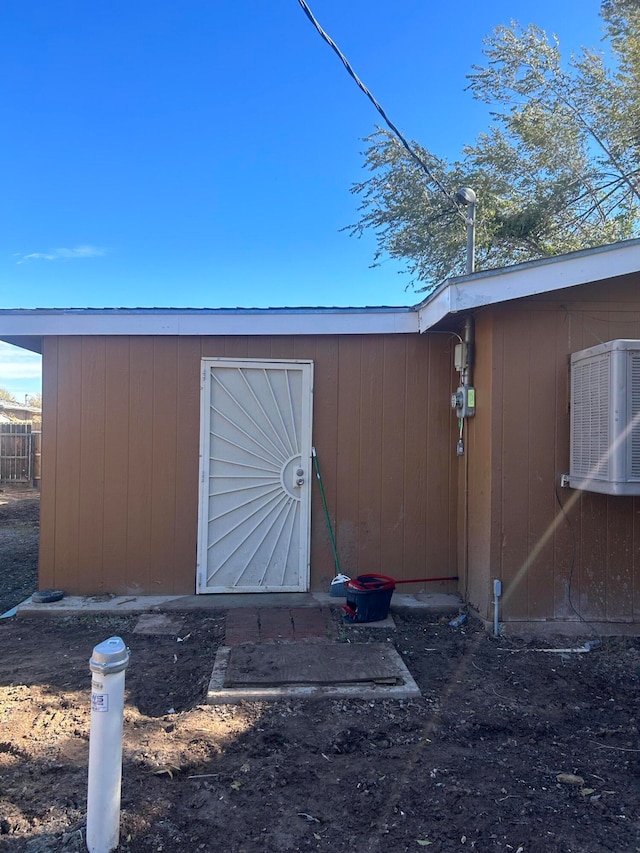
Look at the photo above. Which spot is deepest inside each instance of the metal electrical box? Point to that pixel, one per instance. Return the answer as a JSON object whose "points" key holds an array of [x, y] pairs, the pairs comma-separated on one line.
{"points": [[463, 402], [605, 418]]}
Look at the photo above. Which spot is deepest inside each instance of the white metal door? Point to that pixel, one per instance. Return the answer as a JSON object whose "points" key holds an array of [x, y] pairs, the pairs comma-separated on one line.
{"points": [[255, 478]]}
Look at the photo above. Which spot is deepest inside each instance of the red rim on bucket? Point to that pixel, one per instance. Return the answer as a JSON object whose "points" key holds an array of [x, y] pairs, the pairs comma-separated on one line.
{"points": [[365, 583], [368, 598]]}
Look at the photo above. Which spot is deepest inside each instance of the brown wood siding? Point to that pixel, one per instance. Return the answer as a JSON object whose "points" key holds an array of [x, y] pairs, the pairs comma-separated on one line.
{"points": [[117, 418], [92, 455], [120, 457], [475, 522], [546, 576], [46, 561]]}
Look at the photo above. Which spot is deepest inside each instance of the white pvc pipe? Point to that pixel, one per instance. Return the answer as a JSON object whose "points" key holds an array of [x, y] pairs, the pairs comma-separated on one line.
{"points": [[497, 592], [108, 664]]}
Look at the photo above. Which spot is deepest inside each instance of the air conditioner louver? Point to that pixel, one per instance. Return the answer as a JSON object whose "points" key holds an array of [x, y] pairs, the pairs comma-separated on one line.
{"points": [[635, 415], [605, 418]]}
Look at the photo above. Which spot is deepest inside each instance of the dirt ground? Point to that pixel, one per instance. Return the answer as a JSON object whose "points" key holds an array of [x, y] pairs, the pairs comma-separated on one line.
{"points": [[510, 748]]}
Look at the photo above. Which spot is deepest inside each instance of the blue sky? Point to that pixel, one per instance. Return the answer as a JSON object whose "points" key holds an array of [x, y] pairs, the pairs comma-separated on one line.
{"points": [[201, 153]]}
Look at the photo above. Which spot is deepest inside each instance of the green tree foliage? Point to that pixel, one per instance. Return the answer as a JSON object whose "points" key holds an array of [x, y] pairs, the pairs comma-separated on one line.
{"points": [[622, 20], [6, 396], [34, 400], [558, 170]]}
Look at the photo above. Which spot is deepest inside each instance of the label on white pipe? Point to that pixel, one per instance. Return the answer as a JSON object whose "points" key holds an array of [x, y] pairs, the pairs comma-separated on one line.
{"points": [[99, 701]]}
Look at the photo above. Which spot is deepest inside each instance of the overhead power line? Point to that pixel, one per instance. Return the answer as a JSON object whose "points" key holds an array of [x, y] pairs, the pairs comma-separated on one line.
{"points": [[414, 156]]}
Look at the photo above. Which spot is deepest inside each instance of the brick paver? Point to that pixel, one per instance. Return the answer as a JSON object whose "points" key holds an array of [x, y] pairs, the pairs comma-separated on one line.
{"points": [[309, 622], [242, 626], [276, 624], [253, 625]]}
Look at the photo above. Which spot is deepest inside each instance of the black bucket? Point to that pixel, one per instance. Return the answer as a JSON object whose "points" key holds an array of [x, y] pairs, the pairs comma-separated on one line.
{"points": [[368, 598]]}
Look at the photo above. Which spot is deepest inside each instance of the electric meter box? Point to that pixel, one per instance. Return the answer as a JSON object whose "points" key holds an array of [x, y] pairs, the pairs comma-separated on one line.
{"points": [[605, 418]]}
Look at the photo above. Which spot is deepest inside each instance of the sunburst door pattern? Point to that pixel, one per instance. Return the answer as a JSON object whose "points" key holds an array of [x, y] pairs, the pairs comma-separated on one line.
{"points": [[258, 442]]}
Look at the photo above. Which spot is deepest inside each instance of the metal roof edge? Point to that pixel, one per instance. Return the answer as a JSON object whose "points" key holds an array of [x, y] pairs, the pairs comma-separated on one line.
{"points": [[489, 287], [240, 311], [207, 321]]}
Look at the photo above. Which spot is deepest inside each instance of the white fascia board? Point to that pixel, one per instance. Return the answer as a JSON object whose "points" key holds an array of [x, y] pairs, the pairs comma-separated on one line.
{"points": [[537, 277], [435, 309], [38, 322]]}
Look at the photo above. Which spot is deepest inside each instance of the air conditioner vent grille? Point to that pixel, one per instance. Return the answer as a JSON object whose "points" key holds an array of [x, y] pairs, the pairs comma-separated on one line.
{"points": [[635, 415], [590, 408], [605, 418]]}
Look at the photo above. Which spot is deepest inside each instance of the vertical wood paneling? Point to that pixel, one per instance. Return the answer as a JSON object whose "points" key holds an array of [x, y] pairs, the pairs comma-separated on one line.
{"points": [[370, 455], [565, 576], [117, 462], [229, 347], [636, 559], [443, 466], [394, 449], [67, 478], [47, 546], [325, 440], [348, 452], [476, 582], [515, 463], [624, 324], [415, 468], [141, 436], [596, 550], [578, 341], [92, 461], [595, 326], [280, 347], [259, 347], [120, 459], [127, 435], [497, 402], [592, 556], [619, 559], [187, 453], [163, 463], [541, 388], [623, 552]]}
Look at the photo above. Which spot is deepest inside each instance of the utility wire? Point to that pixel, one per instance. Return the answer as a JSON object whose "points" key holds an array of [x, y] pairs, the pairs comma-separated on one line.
{"points": [[416, 157]]}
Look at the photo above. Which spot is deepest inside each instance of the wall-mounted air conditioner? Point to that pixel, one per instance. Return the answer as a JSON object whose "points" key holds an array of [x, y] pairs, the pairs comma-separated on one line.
{"points": [[605, 418]]}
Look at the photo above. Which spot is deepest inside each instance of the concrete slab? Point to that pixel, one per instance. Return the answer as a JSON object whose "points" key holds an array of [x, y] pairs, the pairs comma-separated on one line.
{"points": [[77, 605], [233, 600], [439, 602], [430, 602], [158, 623], [403, 688], [388, 623], [73, 605]]}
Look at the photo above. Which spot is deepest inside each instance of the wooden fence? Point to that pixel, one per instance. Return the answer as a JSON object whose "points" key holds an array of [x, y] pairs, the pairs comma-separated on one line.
{"points": [[19, 454]]}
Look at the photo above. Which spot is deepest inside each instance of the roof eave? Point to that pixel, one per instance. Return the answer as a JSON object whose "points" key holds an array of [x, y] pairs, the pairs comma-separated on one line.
{"points": [[15, 323], [490, 287]]}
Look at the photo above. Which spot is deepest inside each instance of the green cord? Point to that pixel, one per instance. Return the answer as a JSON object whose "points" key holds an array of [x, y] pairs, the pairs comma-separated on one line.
{"points": [[326, 512]]}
